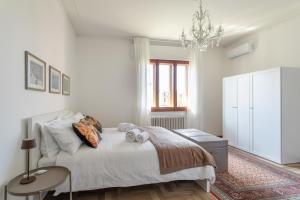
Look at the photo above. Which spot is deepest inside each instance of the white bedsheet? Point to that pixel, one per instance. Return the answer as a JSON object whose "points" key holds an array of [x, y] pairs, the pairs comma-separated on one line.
{"points": [[46, 162], [117, 163]]}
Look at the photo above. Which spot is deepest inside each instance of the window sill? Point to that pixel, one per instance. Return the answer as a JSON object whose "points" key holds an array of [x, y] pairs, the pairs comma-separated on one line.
{"points": [[169, 109]]}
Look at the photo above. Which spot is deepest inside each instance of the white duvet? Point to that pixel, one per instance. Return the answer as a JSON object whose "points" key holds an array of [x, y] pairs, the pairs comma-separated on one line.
{"points": [[117, 163]]}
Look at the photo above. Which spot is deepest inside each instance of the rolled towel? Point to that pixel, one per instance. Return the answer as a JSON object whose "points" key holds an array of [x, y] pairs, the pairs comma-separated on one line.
{"points": [[132, 135], [142, 137], [125, 127]]}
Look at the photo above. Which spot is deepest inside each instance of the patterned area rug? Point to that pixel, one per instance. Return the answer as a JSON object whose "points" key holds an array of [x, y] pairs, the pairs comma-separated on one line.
{"points": [[251, 178]]}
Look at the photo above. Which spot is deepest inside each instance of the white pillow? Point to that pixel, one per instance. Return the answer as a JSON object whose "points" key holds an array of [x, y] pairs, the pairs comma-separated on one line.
{"points": [[65, 116], [49, 147], [65, 136], [77, 117]]}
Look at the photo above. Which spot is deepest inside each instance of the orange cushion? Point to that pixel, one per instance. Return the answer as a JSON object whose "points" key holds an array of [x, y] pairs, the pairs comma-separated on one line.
{"points": [[94, 122], [87, 133]]}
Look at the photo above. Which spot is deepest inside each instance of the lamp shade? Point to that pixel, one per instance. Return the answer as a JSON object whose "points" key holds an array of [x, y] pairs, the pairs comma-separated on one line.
{"points": [[28, 144]]}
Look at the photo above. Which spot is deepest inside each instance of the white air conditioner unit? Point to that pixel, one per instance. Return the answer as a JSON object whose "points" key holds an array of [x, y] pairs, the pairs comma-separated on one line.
{"points": [[240, 50]]}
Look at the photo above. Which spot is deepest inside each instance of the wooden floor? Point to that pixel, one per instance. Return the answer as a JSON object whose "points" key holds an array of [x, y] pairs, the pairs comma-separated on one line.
{"points": [[292, 167], [181, 190]]}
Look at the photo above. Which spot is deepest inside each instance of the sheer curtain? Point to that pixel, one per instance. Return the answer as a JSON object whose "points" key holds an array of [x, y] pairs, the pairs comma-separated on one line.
{"points": [[195, 91], [141, 57]]}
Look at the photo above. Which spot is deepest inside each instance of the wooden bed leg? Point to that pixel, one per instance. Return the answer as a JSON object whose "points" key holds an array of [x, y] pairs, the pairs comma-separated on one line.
{"points": [[204, 184]]}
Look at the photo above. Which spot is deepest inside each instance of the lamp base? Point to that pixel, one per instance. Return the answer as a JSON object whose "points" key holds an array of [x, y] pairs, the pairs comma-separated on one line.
{"points": [[27, 180]]}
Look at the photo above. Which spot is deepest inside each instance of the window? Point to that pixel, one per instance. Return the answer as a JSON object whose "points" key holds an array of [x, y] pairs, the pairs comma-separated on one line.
{"points": [[169, 83]]}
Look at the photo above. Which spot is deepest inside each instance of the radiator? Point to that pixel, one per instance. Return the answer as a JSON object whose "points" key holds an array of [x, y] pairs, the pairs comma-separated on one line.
{"points": [[169, 122]]}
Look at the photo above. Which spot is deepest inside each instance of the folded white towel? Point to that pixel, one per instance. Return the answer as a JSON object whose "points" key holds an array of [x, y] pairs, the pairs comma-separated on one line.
{"points": [[125, 127], [131, 135], [142, 137]]}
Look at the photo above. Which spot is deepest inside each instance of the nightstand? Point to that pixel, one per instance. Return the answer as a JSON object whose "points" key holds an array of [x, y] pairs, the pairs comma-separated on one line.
{"points": [[45, 182]]}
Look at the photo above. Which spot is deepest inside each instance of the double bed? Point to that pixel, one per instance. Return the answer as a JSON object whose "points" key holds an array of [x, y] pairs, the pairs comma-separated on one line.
{"points": [[115, 163]]}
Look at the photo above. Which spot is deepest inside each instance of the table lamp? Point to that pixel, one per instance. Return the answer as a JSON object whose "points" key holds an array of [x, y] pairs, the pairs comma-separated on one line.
{"points": [[28, 144]]}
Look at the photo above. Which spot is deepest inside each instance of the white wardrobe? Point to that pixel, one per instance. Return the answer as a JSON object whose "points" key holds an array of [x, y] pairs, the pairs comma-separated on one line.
{"points": [[261, 113]]}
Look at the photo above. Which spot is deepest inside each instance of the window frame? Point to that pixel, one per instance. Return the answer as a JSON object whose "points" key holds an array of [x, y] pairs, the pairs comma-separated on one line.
{"points": [[155, 63]]}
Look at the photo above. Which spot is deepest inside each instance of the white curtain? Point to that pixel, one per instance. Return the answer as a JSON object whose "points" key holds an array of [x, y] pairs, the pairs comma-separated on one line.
{"points": [[195, 90], [141, 57]]}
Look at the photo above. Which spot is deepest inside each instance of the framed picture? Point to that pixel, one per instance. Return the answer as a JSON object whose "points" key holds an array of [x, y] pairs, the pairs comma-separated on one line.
{"points": [[65, 84], [35, 72], [54, 80]]}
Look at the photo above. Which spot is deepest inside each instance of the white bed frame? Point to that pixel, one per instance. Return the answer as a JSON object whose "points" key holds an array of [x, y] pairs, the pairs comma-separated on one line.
{"points": [[34, 132]]}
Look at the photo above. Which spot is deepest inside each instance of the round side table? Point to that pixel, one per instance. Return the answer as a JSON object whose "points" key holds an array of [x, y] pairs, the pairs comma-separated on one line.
{"points": [[45, 182]]}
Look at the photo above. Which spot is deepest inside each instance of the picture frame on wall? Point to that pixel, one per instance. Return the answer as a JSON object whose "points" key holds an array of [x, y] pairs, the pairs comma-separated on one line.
{"points": [[35, 72], [54, 80], [65, 84]]}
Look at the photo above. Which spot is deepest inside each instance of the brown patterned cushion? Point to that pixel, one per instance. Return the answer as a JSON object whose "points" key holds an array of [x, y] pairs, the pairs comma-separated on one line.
{"points": [[94, 122], [87, 133]]}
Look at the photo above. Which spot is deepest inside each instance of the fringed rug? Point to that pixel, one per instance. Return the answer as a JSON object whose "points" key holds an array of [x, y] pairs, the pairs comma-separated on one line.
{"points": [[251, 178]]}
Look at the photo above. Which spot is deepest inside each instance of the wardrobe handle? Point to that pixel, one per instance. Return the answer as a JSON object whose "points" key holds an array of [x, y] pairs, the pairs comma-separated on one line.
{"points": [[251, 108], [234, 107]]}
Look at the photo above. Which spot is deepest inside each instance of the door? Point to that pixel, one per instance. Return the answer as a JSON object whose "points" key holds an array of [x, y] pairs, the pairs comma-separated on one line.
{"points": [[243, 128], [266, 115], [230, 110]]}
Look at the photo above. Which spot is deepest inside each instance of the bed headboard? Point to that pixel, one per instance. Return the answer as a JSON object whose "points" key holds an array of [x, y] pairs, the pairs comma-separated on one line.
{"points": [[34, 132]]}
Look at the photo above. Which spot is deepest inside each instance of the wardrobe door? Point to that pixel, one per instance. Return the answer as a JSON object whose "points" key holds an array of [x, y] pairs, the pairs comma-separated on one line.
{"points": [[230, 110], [266, 115], [243, 132]]}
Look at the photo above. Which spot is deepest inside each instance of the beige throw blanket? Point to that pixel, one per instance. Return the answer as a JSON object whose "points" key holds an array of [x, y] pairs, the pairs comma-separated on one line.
{"points": [[176, 153]]}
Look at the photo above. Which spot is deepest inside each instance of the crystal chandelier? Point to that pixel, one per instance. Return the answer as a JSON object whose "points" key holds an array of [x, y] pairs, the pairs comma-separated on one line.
{"points": [[203, 33]]}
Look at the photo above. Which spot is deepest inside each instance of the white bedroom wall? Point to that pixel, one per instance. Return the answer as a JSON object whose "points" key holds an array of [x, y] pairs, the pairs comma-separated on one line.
{"points": [[106, 74], [168, 52], [106, 88], [42, 28], [276, 46], [107, 80], [214, 63]]}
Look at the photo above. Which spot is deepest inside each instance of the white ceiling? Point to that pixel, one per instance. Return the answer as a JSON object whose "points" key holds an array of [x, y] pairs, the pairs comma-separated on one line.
{"points": [[165, 19]]}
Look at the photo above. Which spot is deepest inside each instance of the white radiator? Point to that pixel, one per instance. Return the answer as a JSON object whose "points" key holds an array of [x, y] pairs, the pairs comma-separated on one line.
{"points": [[168, 121]]}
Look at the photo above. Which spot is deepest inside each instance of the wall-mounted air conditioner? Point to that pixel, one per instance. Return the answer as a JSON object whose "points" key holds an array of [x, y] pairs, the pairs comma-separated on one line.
{"points": [[240, 50]]}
